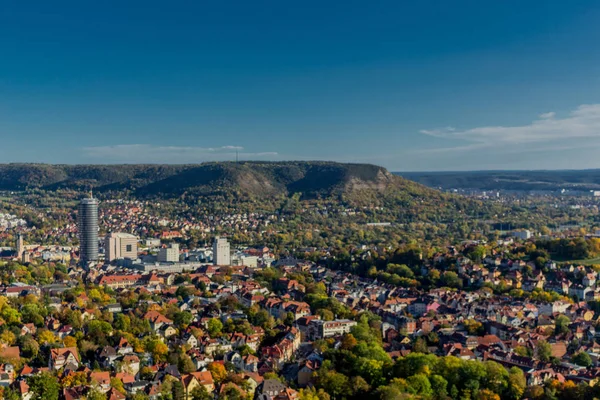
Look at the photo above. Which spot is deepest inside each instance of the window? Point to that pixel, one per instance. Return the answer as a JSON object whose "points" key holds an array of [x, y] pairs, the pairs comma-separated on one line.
{"points": [[128, 247]]}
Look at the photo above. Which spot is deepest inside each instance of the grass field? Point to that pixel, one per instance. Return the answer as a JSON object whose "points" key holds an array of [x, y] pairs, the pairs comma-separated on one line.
{"points": [[589, 261]]}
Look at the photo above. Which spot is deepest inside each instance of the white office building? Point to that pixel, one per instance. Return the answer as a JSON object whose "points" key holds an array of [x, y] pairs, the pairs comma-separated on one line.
{"points": [[169, 254], [120, 245], [221, 252], [523, 235]]}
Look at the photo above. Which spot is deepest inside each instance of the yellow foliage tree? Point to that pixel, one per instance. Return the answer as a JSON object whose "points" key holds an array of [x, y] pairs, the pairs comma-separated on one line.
{"points": [[218, 372], [46, 337], [8, 338], [70, 341]]}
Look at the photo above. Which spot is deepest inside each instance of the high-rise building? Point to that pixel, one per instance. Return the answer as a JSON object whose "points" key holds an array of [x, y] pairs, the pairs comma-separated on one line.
{"points": [[120, 245], [169, 254], [221, 251], [87, 226]]}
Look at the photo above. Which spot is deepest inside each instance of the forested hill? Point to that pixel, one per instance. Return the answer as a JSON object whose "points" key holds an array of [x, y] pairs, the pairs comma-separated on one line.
{"points": [[251, 178], [582, 180]]}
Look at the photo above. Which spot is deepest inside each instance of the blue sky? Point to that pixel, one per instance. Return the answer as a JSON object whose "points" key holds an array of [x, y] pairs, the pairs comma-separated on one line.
{"points": [[410, 85]]}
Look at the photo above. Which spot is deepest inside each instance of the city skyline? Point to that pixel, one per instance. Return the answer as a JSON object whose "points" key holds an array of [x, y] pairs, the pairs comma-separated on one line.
{"points": [[411, 87]]}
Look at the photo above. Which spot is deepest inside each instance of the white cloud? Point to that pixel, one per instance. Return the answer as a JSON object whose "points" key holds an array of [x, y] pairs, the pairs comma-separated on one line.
{"points": [[547, 115], [146, 153], [232, 148], [580, 129]]}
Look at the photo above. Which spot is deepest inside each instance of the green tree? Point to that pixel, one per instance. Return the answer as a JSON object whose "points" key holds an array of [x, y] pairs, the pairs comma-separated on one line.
{"points": [[419, 384], [439, 385], [516, 383], [200, 393], [95, 394], [420, 345], [122, 322], [117, 384], [326, 315], [312, 393], [334, 383], [289, 319], [561, 324], [451, 279], [543, 351], [496, 377], [582, 358], [183, 319], [43, 386], [214, 327], [185, 364], [30, 348], [476, 253], [177, 390], [11, 394]]}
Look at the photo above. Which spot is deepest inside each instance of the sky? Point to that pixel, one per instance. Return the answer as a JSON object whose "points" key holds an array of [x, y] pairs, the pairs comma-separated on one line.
{"points": [[409, 85]]}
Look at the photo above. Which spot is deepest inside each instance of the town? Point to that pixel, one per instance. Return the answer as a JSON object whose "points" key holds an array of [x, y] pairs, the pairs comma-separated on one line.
{"points": [[238, 200], [119, 317]]}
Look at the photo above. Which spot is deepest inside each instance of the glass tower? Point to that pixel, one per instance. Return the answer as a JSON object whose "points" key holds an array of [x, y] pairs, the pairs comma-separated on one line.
{"points": [[87, 226]]}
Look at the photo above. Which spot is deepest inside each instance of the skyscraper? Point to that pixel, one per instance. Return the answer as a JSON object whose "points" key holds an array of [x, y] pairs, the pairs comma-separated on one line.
{"points": [[221, 252], [87, 226]]}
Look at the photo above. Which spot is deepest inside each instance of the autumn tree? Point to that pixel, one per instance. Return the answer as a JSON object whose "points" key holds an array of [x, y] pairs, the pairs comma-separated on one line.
{"points": [[218, 371], [348, 342]]}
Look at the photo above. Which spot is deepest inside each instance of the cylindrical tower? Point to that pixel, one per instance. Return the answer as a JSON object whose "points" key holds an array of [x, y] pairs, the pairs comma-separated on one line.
{"points": [[87, 226]]}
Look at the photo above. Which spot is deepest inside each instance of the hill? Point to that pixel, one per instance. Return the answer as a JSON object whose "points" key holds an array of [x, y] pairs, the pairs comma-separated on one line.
{"points": [[251, 178], [320, 203], [580, 180]]}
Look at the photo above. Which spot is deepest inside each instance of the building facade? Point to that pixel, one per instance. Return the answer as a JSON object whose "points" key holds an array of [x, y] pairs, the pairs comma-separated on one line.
{"points": [[20, 246], [87, 227], [221, 251], [169, 254], [319, 329], [120, 245]]}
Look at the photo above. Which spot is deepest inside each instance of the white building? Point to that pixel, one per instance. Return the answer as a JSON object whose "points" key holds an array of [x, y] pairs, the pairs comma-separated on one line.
{"points": [[523, 235], [245, 260], [120, 245], [169, 254], [221, 251], [176, 267], [319, 329], [152, 242]]}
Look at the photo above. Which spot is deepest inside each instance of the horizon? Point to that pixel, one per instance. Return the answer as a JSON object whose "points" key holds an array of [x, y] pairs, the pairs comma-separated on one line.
{"points": [[306, 161], [402, 85]]}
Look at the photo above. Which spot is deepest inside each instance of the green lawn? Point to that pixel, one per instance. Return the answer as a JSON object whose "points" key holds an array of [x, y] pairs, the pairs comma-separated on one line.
{"points": [[589, 261]]}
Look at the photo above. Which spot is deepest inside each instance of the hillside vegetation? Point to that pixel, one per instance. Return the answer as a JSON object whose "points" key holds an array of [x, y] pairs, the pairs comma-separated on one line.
{"points": [[250, 178], [328, 203], [581, 180]]}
